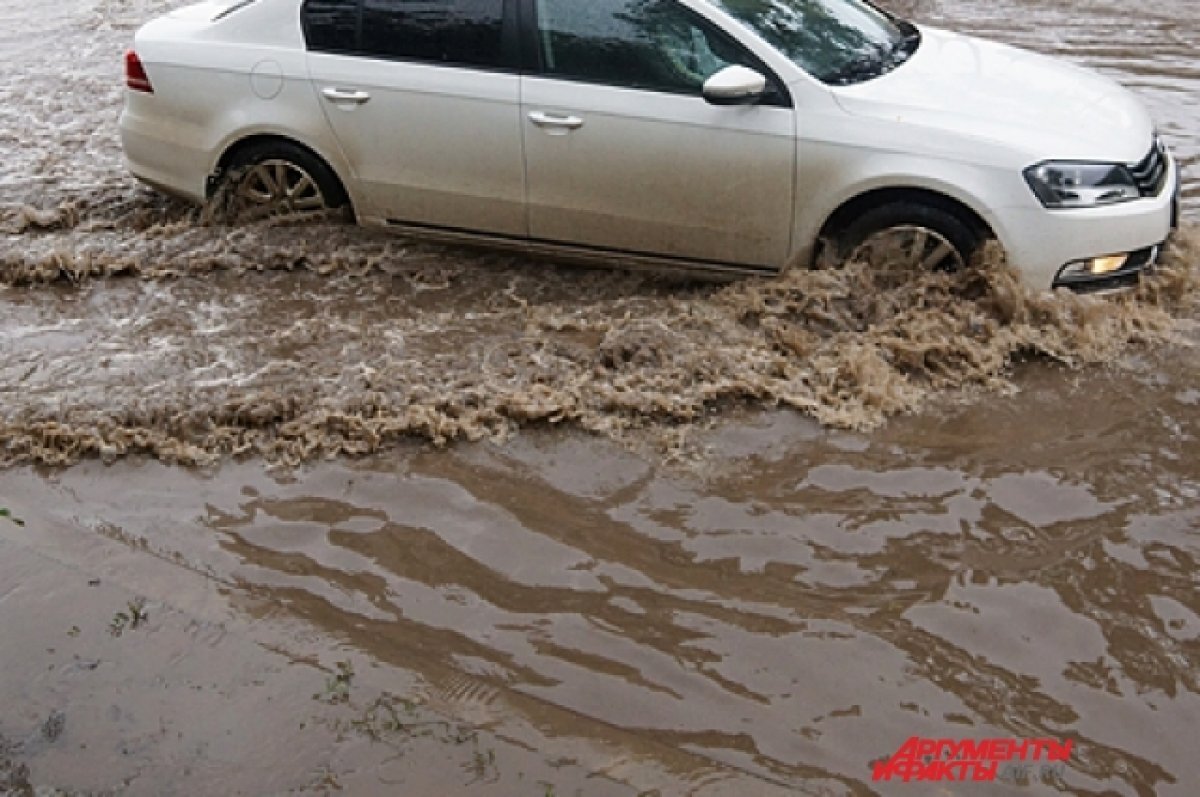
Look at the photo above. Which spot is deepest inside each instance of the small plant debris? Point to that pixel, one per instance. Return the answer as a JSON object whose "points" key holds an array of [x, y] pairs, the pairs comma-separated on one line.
{"points": [[337, 686], [390, 720], [14, 775], [54, 726], [133, 618], [386, 717], [8, 515], [483, 766]]}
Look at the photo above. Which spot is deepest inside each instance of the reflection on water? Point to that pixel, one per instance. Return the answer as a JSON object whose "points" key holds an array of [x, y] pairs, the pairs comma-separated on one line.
{"points": [[791, 612]]}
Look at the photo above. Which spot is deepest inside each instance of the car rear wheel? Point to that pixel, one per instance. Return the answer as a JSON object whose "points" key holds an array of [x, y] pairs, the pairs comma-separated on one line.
{"points": [[278, 178], [920, 238]]}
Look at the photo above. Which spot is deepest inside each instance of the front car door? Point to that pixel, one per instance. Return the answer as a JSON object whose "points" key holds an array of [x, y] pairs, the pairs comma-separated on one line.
{"points": [[423, 96], [623, 152]]}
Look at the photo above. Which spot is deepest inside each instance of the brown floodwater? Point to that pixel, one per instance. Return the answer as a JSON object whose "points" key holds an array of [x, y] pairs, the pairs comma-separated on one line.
{"points": [[574, 531]]}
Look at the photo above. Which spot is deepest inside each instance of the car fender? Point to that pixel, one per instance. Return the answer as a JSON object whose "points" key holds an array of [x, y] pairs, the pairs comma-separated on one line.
{"points": [[846, 176]]}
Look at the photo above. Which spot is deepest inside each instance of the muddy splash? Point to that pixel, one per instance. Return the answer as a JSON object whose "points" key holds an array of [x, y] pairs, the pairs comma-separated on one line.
{"points": [[347, 349], [135, 328]]}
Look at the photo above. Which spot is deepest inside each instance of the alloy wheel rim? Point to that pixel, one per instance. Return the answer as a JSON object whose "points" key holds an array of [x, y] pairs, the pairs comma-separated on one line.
{"points": [[276, 187], [914, 247]]}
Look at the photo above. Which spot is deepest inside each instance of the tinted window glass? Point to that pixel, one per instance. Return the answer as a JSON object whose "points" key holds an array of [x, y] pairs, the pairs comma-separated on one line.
{"points": [[836, 41], [467, 32], [650, 44], [331, 25]]}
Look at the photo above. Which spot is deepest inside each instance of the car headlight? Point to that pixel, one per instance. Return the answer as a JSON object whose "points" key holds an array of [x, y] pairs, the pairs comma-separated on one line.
{"points": [[1081, 185]]}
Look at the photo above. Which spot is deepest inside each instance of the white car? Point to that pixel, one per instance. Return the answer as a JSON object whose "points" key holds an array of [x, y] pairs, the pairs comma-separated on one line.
{"points": [[741, 136]]}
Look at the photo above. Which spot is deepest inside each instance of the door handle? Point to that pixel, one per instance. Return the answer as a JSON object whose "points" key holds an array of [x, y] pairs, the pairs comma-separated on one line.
{"points": [[346, 96], [554, 121]]}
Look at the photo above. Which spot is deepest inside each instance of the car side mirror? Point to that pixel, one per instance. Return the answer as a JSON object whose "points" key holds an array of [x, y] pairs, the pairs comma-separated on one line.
{"points": [[735, 85]]}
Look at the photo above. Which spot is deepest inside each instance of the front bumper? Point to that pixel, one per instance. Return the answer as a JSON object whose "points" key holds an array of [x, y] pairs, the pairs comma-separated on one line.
{"points": [[1042, 243], [1125, 277], [1139, 262]]}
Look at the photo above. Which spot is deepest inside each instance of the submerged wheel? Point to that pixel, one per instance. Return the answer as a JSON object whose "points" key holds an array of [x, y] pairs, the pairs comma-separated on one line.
{"points": [[278, 178], [912, 236]]}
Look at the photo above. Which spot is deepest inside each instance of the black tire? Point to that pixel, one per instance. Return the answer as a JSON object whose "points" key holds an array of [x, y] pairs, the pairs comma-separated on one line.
{"points": [[297, 161], [961, 235]]}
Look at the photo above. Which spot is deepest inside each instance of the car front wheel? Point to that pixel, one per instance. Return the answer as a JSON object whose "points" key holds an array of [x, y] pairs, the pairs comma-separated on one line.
{"points": [[921, 238]]}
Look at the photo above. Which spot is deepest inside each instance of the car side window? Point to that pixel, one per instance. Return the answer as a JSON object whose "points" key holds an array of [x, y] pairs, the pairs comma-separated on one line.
{"points": [[644, 44], [466, 32], [452, 32], [331, 25]]}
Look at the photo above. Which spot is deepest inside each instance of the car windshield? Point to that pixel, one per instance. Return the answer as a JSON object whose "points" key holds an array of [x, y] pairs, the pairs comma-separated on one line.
{"points": [[838, 42]]}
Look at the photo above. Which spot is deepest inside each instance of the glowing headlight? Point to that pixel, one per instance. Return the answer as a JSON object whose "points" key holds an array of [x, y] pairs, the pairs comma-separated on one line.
{"points": [[1081, 185]]}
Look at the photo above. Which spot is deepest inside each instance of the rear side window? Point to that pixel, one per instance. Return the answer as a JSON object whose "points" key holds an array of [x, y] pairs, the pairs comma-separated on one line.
{"points": [[331, 25], [452, 32]]}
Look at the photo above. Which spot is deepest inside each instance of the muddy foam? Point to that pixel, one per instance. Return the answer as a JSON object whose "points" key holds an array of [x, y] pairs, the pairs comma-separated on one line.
{"points": [[624, 356], [137, 325]]}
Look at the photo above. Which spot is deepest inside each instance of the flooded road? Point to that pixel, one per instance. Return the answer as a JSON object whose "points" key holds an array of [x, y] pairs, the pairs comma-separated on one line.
{"points": [[709, 540]]}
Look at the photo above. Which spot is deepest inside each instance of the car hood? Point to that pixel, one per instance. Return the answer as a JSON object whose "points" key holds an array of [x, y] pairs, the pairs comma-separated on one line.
{"points": [[1042, 107]]}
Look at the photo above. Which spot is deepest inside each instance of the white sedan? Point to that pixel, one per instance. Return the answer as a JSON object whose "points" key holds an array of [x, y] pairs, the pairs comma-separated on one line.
{"points": [[739, 136]]}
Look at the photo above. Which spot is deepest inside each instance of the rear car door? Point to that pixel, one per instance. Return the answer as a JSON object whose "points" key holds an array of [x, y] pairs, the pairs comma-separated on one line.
{"points": [[423, 96], [622, 150]]}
